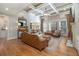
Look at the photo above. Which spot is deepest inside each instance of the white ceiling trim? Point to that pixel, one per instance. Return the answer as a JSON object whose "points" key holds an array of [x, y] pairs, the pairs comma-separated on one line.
{"points": [[53, 7]]}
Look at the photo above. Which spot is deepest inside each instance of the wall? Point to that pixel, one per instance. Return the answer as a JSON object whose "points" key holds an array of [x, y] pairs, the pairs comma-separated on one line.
{"points": [[32, 18], [11, 24], [75, 26], [12, 27], [3, 26], [53, 22]]}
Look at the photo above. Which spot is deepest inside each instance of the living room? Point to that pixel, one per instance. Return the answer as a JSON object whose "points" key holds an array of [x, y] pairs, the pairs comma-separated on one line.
{"points": [[46, 29]]}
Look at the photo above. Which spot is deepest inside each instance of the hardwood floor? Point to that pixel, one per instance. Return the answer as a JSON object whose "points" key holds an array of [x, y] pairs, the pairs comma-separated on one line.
{"points": [[17, 48]]}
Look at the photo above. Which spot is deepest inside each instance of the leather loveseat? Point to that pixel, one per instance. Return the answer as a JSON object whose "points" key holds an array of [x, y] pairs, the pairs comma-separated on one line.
{"points": [[34, 40]]}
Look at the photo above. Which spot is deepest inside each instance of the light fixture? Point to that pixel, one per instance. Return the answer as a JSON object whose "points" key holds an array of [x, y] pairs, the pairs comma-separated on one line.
{"points": [[46, 14], [64, 9], [6, 9], [6, 28]]}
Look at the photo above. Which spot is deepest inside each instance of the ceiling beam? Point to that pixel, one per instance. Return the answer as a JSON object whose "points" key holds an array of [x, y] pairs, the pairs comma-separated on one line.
{"points": [[35, 9], [53, 7], [31, 6]]}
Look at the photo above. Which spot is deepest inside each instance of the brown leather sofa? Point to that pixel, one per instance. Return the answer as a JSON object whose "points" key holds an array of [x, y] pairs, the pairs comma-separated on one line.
{"points": [[34, 41], [55, 33]]}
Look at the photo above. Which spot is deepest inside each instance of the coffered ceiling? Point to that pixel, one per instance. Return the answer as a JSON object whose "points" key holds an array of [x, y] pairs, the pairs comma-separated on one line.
{"points": [[35, 8], [48, 8]]}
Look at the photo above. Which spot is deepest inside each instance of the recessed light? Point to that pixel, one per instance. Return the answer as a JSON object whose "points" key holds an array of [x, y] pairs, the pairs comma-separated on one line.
{"points": [[64, 9], [6, 9], [46, 14]]}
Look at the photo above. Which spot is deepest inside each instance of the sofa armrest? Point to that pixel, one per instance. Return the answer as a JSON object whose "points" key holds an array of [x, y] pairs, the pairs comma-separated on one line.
{"points": [[44, 43]]}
